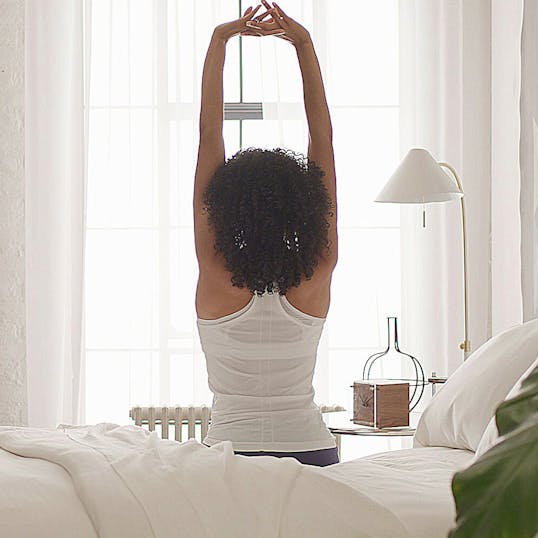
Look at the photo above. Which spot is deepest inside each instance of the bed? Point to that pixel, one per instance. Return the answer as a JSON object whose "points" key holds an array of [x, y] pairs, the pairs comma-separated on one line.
{"points": [[114, 481], [402, 493]]}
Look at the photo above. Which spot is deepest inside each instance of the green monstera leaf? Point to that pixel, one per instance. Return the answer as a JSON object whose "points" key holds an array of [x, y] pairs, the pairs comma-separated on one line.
{"points": [[522, 406], [497, 496]]}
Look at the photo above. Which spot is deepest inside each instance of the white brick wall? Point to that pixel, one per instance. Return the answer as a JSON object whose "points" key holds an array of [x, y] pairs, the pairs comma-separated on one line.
{"points": [[12, 305]]}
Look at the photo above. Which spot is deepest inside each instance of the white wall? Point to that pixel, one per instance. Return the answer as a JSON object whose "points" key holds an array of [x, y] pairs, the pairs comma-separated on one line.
{"points": [[12, 261]]}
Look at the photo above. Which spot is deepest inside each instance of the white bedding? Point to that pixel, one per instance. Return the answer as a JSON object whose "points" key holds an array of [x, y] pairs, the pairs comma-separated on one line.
{"points": [[124, 482], [37, 498], [414, 484], [121, 481]]}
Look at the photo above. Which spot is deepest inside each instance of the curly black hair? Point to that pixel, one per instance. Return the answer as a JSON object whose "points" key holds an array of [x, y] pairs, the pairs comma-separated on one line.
{"points": [[268, 210]]}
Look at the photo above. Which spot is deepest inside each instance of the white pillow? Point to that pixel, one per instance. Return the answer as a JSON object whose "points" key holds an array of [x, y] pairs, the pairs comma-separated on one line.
{"points": [[491, 435], [460, 412]]}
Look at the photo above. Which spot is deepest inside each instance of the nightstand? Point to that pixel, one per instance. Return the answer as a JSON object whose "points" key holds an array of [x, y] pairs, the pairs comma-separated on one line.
{"points": [[342, 424]]}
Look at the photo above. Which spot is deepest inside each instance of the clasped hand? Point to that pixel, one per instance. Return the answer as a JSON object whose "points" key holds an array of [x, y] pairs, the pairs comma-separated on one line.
{"points": [[273, 22]]}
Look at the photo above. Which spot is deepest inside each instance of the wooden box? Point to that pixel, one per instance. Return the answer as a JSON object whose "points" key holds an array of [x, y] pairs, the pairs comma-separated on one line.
{"points": [[381, 403]]}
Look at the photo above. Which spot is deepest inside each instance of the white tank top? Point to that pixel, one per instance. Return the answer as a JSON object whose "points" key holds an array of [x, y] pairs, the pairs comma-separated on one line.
{"points": [[260, 364]]}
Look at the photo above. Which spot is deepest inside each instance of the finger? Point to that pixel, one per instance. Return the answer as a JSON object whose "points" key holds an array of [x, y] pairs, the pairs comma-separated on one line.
{"points": [[251, 13], [267, 6], [251, 24], [261, 17], [267, 25], [247, 11], [279, 22], [277, 17], [281, 13]]}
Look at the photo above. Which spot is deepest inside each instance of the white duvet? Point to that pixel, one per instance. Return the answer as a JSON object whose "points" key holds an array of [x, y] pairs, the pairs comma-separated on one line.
{"points": [[112, 481], [414, 484]]}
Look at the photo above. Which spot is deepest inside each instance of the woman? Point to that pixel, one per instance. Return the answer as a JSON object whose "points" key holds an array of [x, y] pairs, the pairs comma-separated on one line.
{"points": [[266, 242]]}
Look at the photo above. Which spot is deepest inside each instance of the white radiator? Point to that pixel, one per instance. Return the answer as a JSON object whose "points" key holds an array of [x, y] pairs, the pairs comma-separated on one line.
{"points": [[173, 417], [176, 417]]}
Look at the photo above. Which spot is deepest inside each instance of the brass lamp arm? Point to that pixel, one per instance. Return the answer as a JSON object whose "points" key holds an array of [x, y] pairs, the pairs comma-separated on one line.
{"points": [[466, 344]]}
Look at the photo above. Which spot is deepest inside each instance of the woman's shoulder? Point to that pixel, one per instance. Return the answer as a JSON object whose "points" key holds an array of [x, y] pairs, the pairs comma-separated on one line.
{"points": [[312, 296], [217, 297]]}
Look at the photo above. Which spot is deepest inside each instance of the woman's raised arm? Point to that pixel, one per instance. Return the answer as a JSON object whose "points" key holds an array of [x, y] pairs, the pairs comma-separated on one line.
{"points": [[320, 147], [211, 148], [320, 137]]}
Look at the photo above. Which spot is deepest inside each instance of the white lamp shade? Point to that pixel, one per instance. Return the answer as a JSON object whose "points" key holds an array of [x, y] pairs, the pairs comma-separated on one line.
{"points": [[419, 179]]}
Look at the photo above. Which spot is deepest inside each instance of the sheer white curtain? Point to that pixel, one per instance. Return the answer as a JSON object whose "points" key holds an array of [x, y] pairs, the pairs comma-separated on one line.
{"points": [[445, 108], [529, 160], [145, 74], [459, 92], [55, 179], [506, 177]]}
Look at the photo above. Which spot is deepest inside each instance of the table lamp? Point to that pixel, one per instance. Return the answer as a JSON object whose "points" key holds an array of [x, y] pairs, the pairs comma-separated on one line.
{"points": [[420, 179]]}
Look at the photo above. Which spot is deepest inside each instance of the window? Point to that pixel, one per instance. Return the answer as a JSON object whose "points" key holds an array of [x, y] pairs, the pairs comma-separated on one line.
{"points": [[144, 77]]}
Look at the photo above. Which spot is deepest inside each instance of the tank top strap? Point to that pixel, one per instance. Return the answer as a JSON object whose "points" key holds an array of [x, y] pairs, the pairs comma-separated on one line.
{"points": [[298, 314]]}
